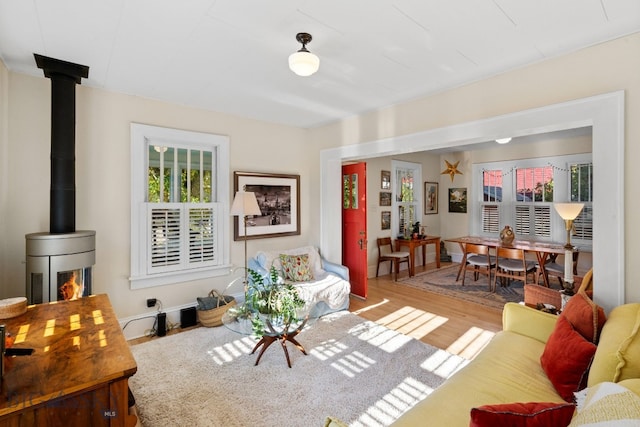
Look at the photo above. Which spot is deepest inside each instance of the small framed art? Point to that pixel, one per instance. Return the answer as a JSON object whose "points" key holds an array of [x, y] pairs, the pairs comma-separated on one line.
{"points": [[385, 180], [385, 220], [458, 200], [385, 198], [430, 198]]}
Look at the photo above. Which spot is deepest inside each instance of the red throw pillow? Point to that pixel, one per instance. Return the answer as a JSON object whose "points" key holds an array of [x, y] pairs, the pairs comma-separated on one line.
{"points": [[585, 316], [566, 359], [532, 414]]}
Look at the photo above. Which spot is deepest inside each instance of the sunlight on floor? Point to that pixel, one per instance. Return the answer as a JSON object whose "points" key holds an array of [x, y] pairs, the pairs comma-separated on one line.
{"points": [[413, 322], [380, 336], [393, 404], [470, 344], [444, 364], [228, 352]]}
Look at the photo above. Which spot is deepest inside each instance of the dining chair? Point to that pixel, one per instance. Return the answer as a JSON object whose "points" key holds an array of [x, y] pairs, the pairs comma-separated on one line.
{"points": [[476, 258], [553, 268], [386, 253], [511, 264]]}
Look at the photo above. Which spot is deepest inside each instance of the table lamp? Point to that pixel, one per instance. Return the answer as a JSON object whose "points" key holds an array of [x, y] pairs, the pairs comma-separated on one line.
{"points": [[568, 212], [245, 204]]}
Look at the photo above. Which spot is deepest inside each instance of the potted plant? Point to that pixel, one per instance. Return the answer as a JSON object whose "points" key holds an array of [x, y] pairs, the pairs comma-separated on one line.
{"points": [[273, 305]]}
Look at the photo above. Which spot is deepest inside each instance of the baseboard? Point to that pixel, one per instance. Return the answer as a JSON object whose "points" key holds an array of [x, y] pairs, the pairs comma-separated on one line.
{"points": [[139, 325]]}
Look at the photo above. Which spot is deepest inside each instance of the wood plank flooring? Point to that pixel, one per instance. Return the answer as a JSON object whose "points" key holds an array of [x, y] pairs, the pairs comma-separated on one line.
{"points": [[451, 324]]}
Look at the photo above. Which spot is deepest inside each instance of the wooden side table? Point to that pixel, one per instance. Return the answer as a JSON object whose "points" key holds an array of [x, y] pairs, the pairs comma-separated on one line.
{"points": [[412, 244], [78, 373]]}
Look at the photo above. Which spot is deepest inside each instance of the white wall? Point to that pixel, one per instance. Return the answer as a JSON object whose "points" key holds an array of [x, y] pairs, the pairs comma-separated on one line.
{"points": [[103, 181], [604, 68]]}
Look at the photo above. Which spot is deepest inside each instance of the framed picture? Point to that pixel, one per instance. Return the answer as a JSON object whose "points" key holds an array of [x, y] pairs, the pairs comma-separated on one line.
{"points": [[458, 200], [385, 180], [385, 220], [278, 197], [430, 198], [385, 198]]}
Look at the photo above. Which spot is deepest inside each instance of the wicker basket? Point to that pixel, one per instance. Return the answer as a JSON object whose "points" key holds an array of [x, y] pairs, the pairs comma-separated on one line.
{"points": [[212, 307], [12, 307]]}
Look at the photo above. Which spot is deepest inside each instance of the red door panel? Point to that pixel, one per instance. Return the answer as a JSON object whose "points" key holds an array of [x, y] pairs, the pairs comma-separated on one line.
{"points": [[354, 226]]}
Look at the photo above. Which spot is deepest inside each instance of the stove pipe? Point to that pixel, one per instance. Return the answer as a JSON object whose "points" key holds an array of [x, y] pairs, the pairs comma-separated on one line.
{"points": [[64, 77]]}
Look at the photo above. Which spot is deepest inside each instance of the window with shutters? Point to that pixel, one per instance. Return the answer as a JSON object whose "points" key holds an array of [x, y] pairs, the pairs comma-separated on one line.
{"points": [[521, 194], [534, 200], [582, 192], [179, 205]]}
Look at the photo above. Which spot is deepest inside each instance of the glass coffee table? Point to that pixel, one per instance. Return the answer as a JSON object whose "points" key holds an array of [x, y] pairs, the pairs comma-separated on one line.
{"points": [[239, 319]]}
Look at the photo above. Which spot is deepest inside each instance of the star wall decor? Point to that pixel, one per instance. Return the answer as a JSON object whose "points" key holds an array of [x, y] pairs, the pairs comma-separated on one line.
{"points": [[451, 170]]}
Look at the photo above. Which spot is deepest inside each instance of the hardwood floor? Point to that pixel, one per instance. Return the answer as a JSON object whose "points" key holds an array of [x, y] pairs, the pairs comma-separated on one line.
{"points": [[451, 324]]}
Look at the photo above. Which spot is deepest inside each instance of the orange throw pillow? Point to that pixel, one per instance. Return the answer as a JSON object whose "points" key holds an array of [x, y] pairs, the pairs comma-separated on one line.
{"points": [[585, 316], [566, 359]]}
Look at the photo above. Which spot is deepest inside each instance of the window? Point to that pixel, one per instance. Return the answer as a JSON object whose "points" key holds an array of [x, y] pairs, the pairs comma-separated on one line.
{"points": [[522, 195], [407, 200], [582, 191], [179, 206]]}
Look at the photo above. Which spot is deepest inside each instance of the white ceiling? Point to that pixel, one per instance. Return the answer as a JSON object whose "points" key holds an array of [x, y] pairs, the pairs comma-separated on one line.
{"points": [[231, 55]]}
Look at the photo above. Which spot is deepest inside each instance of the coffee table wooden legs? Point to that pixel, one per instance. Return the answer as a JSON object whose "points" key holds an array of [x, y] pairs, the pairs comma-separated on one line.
{"points": [[267, 340]]}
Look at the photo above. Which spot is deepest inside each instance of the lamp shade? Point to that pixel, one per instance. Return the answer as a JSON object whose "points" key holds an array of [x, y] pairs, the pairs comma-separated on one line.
{"points": [[568, 211], [304, 63], [245, 203], [503, 140]]}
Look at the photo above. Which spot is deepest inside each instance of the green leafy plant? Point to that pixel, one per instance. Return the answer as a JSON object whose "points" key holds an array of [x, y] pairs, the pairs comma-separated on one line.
{"points": [[274, 305]]}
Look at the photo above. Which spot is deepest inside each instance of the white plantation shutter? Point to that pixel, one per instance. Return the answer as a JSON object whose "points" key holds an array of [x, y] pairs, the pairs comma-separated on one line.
{"points": [[542, 218], [181, 235], [164, 237], [523, 220], [201, 235], [490, 219], [583, 224]]}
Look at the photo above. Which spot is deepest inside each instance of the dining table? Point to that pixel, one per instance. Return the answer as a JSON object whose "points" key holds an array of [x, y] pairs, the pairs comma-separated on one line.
{"points": [[542, 250]]}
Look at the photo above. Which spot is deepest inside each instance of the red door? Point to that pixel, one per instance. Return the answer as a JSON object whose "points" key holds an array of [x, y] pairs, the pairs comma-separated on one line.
{"points": [[354, 226]]}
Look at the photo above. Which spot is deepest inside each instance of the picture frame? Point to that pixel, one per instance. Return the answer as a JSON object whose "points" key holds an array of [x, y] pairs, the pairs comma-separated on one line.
{"points": [[430, 198], [385, 198], [385, 220], [458, 200], [278, 197], [385, 180]]}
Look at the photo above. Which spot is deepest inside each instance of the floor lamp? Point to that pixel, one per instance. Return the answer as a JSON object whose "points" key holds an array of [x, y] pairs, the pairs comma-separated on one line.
{"points": [[245, 204], [568, 212]]}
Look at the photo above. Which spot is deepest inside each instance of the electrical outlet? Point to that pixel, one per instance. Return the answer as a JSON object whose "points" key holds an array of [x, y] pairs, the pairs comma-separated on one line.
{"points": [[151, 302]]}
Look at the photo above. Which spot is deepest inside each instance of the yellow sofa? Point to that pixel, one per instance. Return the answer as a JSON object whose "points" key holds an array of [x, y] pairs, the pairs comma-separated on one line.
{"points": [[508, 370]]}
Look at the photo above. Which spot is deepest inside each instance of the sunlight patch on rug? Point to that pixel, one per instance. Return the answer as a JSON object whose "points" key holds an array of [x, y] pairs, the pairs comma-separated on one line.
{"points": [[413, 322]]}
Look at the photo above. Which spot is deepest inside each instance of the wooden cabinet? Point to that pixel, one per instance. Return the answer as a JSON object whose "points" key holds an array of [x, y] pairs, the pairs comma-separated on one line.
{"points": [[78, 374]]}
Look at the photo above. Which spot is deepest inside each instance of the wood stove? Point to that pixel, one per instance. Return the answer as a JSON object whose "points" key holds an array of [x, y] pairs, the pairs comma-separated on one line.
{"points": [[60, 262]]}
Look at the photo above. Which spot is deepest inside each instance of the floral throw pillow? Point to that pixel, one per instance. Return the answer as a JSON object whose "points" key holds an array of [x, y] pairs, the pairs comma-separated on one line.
{"points": [[296, 267]]}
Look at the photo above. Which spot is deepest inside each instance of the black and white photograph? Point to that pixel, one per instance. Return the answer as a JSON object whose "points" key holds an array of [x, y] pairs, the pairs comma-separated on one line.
{"points": [[278, 197]]}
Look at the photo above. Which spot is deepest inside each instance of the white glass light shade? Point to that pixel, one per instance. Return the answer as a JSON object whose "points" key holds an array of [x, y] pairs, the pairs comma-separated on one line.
{"points": [[304, 63], [503, 140], [568, 210], [245, 203]]}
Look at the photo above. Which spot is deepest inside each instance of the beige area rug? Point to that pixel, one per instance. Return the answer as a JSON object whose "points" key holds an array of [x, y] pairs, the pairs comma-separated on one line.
{"points": [[443, 281], [355, 370]]}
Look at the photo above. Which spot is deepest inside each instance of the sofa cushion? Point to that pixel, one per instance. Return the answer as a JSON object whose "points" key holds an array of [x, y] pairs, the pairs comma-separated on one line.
{"points": [[585, 316], [531, 414], [619, 343], [272, 258], [296, 267], [506, 370], [566, 359], [608, 404]]}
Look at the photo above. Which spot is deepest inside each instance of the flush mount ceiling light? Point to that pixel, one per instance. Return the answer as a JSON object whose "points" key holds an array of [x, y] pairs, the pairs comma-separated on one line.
{"points": [[303, 62], [503, 140]]}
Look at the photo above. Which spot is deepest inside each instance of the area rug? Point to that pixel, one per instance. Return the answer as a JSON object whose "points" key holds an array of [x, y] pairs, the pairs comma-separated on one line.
{"points": [[443, 281], [355, 370]]}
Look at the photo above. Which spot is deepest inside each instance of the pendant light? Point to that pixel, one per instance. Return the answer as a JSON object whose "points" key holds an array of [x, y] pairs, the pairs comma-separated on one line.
{"points": [[303, 62]]}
